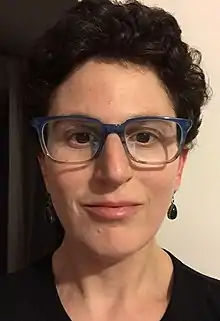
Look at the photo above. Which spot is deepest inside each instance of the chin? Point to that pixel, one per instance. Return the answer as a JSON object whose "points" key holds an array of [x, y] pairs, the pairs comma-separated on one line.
{"points": [[111, 242], [110, 256], [115, 251]]}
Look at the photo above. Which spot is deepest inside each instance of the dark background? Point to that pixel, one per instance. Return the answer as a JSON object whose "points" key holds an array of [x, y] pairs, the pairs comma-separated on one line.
{"points": [[21, 21]]}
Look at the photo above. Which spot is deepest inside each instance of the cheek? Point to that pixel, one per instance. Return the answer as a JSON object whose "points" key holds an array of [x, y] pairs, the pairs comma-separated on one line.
{"points": [[159, 185], [162, 179], [67, 184]]}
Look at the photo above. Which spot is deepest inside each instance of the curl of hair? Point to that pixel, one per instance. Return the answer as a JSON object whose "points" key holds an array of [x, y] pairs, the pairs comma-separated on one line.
{"points": [[107, 31]]}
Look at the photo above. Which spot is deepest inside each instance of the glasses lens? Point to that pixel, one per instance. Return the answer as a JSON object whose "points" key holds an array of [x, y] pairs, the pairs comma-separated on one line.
{"points": [[72, 140], [153, 141]]}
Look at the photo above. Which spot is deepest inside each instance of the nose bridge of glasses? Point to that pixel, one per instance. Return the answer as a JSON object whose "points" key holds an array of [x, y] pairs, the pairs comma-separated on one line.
{"points": [[109, 129], [117, 129], [112, 146]]}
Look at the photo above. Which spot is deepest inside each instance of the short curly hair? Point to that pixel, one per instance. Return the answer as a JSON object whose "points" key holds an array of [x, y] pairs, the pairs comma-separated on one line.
{"points": [[123, 32]]}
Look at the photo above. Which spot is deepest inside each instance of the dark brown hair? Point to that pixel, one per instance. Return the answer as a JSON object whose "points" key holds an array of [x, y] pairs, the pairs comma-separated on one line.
{"points": [[131, 32]]}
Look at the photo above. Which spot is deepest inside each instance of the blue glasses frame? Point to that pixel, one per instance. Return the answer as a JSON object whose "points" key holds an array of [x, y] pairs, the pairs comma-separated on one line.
{"points": [[106, 129]]}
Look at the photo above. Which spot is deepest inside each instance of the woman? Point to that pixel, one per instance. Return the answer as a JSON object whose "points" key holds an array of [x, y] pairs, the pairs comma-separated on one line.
{"points": [[115, 97]]}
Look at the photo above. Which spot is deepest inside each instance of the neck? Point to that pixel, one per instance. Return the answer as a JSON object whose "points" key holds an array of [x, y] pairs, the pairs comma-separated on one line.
{"points": [[147, 273]]}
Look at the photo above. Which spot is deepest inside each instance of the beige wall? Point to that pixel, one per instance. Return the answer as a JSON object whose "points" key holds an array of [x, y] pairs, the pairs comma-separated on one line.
{"points": [[195, 235]]}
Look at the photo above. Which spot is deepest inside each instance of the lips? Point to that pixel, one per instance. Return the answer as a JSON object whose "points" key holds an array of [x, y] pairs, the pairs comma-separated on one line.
{"points": [[110, 211]]}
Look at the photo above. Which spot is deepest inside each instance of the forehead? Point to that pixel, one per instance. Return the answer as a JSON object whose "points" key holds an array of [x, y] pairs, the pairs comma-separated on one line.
{"points": [[112, 92]]}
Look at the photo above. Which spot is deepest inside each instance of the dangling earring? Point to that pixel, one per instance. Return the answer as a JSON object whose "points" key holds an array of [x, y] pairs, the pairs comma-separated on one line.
{"points": [[50, 212], [172, 211]]}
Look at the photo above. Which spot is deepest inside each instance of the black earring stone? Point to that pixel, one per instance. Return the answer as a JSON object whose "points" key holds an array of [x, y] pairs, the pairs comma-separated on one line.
{"points": [[50, 213], [172, 212]]}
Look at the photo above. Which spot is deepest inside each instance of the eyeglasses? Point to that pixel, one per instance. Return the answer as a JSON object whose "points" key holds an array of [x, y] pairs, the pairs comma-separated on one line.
{"points": [[77, 139]]}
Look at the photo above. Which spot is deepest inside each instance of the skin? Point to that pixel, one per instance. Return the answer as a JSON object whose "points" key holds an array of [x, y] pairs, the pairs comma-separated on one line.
{"points": [[105, 271]]}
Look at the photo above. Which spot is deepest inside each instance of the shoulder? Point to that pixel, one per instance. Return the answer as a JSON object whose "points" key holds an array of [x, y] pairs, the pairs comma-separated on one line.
{"points": [[197, 278], [198, 293], [23, 291]]}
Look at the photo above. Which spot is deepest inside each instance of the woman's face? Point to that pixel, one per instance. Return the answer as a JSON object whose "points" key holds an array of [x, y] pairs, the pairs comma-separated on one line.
{"points": [[111, 93]]}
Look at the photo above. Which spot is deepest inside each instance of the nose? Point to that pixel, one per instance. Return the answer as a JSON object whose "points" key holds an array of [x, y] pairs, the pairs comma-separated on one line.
{"points": [[112, 165]]}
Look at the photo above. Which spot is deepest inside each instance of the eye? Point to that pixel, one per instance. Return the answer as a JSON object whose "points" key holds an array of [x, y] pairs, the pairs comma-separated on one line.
{"points": [[144, 137], [81, 138]]}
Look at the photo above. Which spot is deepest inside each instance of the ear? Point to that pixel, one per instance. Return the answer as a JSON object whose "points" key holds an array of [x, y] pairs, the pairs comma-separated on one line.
{"points": [[44, 169], [181, 164]]}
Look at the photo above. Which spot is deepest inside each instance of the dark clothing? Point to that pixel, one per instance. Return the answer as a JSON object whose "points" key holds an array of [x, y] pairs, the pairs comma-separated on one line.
{"points": [[30, 295]]}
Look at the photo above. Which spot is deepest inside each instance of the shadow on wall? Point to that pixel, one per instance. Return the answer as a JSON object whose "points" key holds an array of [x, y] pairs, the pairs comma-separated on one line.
{"points": [[26, 236], [4, 175]]}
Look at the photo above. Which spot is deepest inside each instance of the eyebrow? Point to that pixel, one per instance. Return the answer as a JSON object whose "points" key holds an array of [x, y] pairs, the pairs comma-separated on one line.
{"points": [[151, 114]]}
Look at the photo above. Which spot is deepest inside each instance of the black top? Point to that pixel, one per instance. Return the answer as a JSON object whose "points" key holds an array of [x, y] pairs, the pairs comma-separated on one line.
{"points": [[30, 295]]}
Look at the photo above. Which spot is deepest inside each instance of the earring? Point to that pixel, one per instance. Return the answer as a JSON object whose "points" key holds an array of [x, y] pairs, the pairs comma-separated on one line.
{"points": [[172, 211], [50, 212]]}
